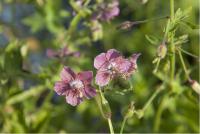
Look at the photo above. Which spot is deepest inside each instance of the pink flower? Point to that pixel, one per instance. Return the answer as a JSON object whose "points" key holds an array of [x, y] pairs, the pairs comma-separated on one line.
{"points": [[112, 64], [107, 11], [75, 87]]}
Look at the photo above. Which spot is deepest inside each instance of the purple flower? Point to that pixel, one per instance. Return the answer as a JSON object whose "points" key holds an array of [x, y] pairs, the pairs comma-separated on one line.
{"points": [[107, 11], [112, 64], [75, 87], [63, 52]]}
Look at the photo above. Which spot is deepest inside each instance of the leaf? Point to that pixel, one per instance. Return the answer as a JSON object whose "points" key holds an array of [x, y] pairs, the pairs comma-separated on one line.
{"points": [[191, 25], [152, 39], [34, 91]]}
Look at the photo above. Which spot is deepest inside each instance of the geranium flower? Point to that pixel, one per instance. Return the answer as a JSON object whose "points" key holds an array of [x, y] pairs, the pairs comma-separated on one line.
{"points": [[112, 64], [75, 87]]}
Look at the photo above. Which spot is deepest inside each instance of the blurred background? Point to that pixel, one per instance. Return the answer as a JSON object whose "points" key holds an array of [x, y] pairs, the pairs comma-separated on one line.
{"points": [[33, 34]]}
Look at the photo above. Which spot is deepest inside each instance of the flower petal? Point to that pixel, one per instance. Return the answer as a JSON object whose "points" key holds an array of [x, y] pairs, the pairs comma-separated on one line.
{"points": [[85, 76], [99, 60], [122, 65], [61, 87], [67, 74], [102, 78], [89, 92], [73, 99], [134, 57], [112, 53]]}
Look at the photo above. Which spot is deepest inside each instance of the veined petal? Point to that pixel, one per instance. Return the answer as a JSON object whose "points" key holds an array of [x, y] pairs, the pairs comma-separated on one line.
{"points": [[89, 92], [122, 65], [100, 60], [67, 74], [73, 99], [85, 76], [112, 53], [61, 87], [102, 78], [134, 57]]}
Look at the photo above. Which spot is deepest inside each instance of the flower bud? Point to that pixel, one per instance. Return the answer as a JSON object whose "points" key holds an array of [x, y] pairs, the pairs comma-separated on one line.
{"points": [[96, 28], [195, 86], [162, 51]]}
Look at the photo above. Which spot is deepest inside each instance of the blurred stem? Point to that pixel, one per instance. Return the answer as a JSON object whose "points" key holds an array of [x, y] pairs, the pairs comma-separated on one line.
{"points": [[107, 114], [183, 64], [157, 65], [123, 124], [158, 115], [110, 126], [172, 47], [152, 98]]}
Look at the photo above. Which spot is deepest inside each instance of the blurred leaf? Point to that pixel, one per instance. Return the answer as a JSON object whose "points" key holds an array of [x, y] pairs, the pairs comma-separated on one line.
{"points": [[19, 98]]}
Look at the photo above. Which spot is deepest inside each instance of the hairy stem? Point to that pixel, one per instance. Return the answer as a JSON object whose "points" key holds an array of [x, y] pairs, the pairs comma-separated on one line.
{"points": [[172, 47], [110, 126], [158, 116], [151, 99], [183, 64], [107, 112], [123, 124]]}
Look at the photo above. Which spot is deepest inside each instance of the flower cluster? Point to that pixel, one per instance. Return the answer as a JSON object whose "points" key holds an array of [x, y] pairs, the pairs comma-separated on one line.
{"points": [[107, 11], [109, 65], [112, 64], [75, 86]]}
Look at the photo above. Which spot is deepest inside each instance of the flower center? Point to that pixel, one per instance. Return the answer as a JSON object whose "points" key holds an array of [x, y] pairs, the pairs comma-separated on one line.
{"points": [[111, 68], [77, 84]]}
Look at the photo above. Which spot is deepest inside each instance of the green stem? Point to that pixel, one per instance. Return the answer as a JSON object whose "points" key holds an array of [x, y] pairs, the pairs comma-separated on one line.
{"points": [[183, 64], [110, 126], [172, 47], [123, 124], [151, 99], [158, 116], [107, 108]]}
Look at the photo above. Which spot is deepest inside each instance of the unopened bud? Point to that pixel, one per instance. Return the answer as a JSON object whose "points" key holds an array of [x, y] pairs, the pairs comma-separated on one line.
{"points": [[125, 25], [162, 51], [195, 86]]}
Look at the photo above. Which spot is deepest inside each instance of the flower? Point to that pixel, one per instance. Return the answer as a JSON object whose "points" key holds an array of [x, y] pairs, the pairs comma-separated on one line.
{"points": [[112, 64], [107, 11], [75, 87], [63, 52]]}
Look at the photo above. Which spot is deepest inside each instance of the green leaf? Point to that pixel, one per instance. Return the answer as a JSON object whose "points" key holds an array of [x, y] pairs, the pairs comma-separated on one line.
{"points": [[152, 39], [34, 91]]}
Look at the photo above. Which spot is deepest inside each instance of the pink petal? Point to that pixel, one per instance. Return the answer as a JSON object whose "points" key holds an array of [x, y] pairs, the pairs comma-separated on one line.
{"points": [[89, 92], [73, 99], [99, 60], [123, 65], [85, 76], [61, 87], [102, 78], [67, 74], [111, 54], [134, 57]]}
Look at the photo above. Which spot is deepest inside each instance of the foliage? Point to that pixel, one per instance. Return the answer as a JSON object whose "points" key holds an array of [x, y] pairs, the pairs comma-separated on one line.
{"points": [[159, 97]]}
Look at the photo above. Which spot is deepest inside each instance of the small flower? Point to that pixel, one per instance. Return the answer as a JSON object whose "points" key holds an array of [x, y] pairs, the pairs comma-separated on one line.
{"points": [[63, 52], [75, 87], [107, 11], [112, 64]]}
